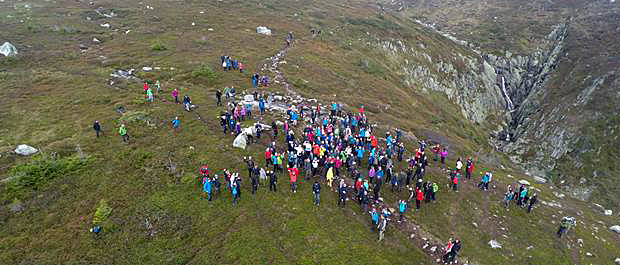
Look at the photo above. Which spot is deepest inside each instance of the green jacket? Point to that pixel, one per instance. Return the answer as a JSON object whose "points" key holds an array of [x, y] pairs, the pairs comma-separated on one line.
{"points": [[122, 130], [435, 187]]}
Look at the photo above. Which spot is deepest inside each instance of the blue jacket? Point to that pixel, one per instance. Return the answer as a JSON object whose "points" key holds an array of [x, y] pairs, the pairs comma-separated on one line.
{"points": [[402, 207], [207, 186]]}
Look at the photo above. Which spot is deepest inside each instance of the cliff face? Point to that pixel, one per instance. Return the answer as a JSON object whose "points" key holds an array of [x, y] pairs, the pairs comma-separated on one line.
{"points": [[540, 103]]}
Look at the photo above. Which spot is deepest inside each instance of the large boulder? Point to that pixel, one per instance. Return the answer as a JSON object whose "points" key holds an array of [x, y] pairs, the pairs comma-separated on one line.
{"points": [[615, 228], [7, 49], [540, 180], [25, 150]]}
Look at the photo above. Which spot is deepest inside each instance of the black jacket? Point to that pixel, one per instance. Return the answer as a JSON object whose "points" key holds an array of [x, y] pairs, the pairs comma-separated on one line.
{"points": [[316, 188]]}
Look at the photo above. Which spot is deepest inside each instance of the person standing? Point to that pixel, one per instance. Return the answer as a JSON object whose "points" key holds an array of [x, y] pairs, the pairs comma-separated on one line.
{"points": [[293, 173], [342, 191], [175, 95], [402, 206], [374, 215], [149, 95], [382, 226], [235, 193], [419, 198], [158, 85], [97, 128], [444, 154], [532, 202], [316, 192], [123, 133], [273, 179], [176, 123], [206, 187], [218, 96]]}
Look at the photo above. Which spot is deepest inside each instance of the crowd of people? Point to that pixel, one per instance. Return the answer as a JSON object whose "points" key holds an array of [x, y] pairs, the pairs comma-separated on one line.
{"points": [[335, 146]]}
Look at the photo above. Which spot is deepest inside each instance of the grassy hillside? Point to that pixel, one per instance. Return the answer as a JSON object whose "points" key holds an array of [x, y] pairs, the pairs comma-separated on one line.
{"points": [[54, 90]]}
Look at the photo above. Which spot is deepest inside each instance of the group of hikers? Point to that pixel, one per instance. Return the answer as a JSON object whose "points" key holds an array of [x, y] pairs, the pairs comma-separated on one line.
{"points": [[334, 145]]}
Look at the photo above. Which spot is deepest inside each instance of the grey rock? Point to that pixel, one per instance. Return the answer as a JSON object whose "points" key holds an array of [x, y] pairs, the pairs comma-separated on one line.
{"points": [[615, 228], [494, 244]]}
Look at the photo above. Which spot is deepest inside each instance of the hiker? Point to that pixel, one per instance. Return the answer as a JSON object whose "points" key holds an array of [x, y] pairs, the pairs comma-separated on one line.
{"points": [[218, 96], [273, 179], [444, 154], [436, 150], [507, 198], [565, 224], [158, 85], [175, 95], [241, 67], [402, 206], [316, 192], [223, 124], [224, 66], [434, 190], [419, 198], [293, 173], [254, 179], [149, 95], [532, 202], [235, 193], [329, 176], [97, 128], [455, 179], [484, 182], [206, 187], [248, 161], [123, 132], [176, 123], [469, 168], [342, 192], [522, 194], [382, 226], [187, 102], [452, 250], [459, 165], [261, 105], [374, 217]]}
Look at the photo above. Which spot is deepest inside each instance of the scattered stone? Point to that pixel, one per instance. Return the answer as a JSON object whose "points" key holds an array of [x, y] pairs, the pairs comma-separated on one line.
{"points": [[524, 182], [425, 246], [559, 195], [96, 40], [83, 47], [433, 248], [608, 212], [617, 261], [263, 30], [412, 236], [530, 247], [106, 25], [615, 228], [120, 109], [424, 238], [540, 180], [580, 241], [210, 29], [494, 244], [589, 254], [474, 224], [25, 150], [7, 49], [146, 68]]}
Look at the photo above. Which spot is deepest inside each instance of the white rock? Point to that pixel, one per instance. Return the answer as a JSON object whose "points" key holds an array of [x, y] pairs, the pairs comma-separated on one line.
{"points": [[193, 24], [615, 228], [433, 248], [425, 246], [559, 195], [106, 25], [530, 247], [146, 68], [524, 182], [263, 30], [7, 49], [617, 261], [210, 29], [589, 254], [494, 244], [540, 180], [25, 150], [609, 212]]}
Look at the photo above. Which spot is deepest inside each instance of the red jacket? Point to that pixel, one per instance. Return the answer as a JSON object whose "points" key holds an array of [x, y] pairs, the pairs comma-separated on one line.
{"points": [[204, 170], [419, 195], [470, 169], [293, 173], [267, 154]]}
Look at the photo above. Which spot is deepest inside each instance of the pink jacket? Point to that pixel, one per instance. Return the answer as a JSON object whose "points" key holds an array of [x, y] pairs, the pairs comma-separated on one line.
{"points": [[175, 93]]}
